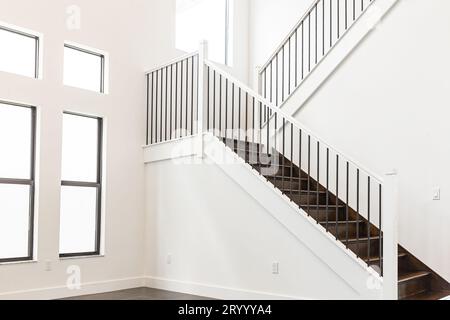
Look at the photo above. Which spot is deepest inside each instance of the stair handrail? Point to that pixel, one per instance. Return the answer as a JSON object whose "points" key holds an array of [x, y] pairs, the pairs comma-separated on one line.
{"points": [[171, 62], [295, 122]]}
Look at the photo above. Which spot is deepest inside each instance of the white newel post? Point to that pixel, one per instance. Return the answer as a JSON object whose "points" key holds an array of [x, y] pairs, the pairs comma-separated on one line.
{"points": [[390, 211], [202, 57]]}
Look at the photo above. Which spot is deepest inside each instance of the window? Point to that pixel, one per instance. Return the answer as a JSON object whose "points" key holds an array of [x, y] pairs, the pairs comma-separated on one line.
{"points": [[81, 186], [84, 69], [19, 52], [17, 181], [210, 20]]}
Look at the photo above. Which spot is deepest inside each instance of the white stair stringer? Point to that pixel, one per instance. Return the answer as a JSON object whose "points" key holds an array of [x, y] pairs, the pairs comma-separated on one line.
{"points": [[344, 263]]}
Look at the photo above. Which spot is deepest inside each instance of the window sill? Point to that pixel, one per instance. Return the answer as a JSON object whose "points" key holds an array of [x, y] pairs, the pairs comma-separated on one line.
{"points": [[82, 257], [18, 262]]}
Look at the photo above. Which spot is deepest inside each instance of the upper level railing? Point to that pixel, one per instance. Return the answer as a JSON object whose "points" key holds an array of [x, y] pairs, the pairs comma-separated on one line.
{"points": [[172, 100], [312, 38], [192, 96]]}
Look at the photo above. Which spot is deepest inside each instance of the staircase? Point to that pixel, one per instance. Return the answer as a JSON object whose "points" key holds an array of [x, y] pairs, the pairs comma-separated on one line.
{"points": [[415, 280], [192, 96]]}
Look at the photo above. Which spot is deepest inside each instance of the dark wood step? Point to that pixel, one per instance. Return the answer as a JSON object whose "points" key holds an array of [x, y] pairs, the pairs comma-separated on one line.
{"points": [[284, 183], [429, 295], [413, 283], [324, 213], [350, 227]]}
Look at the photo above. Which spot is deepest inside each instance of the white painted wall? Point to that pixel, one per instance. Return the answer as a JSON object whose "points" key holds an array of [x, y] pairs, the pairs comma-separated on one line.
{"points": [[387, 107], [270, 21], [124, 30], [222, 243]]}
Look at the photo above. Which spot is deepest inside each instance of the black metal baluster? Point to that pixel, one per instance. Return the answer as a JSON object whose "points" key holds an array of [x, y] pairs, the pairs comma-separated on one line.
{"points": [[150, 93], [347, 205], [253, 121], [198, 89], [303, 51], [289, 68], [156, 107], [208, 105], [300, 189], [309, 42], [284, 156], [260, 131], [268, 134], [148, 108], [282, 74], [165, 112], [220, 104], [323, 28], [357, 212], [380, 227], [354, 10], [296, 58], [161, 117], [276, 79], [292, 159], [192, 96], [346, 15], [171, 100], [316, 31], [368, 220], [337, 197], [226, 108], [331, 23], [328, 189], [318, 181], [246, 118], [181, 99], [232, 113], [239, 116], [338, 19], [214, 102], [187, 96], [309, 173]]}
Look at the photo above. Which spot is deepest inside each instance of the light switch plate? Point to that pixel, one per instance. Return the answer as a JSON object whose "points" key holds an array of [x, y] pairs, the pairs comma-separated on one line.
{"points": [[437, 194]]}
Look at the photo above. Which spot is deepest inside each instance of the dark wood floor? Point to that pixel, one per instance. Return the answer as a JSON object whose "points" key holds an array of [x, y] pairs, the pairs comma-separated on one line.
{"points": [[139, 294]]}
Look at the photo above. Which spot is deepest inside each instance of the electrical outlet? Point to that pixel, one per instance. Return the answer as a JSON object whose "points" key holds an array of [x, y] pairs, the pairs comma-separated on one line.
{"points": [[275, 268], [437, 194], [169, 259], [48, 265]]}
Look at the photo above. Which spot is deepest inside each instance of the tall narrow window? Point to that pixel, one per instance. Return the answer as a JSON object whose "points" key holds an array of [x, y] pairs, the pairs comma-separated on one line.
{"points": [[84, 69], [19, 52], [17, 181], [81, 186], [210, 20]]}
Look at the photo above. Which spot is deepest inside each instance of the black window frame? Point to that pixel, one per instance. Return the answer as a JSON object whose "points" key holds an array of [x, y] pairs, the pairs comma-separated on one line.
{"points": [[31, 182], [102, 63], [97, 185], [36, 47]]}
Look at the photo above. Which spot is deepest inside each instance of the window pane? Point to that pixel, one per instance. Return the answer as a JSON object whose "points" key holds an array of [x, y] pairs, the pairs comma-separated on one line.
{"points": [[199, 20], [78, 220], [82, 70], [14, 221], [17, 54], [80, 148], [15, 142]]}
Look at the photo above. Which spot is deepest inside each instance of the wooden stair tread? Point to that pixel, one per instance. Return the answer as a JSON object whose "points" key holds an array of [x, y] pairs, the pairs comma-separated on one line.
{"points": [[400, 255], [412, 276], [429, 295]]}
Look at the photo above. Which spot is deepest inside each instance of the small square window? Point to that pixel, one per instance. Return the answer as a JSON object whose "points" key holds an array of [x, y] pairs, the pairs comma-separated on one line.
{"points": [[84, 69], [19, 53]]}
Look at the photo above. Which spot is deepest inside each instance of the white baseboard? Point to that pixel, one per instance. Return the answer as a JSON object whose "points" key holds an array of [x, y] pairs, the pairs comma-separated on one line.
{"points": [[64, 292], [212, 291]]}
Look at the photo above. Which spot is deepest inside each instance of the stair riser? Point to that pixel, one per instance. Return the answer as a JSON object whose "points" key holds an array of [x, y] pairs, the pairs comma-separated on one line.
{"points": [[287, 184], [274, 170], [352, 228], [412, 287], [304, 199], [363, 250]]}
